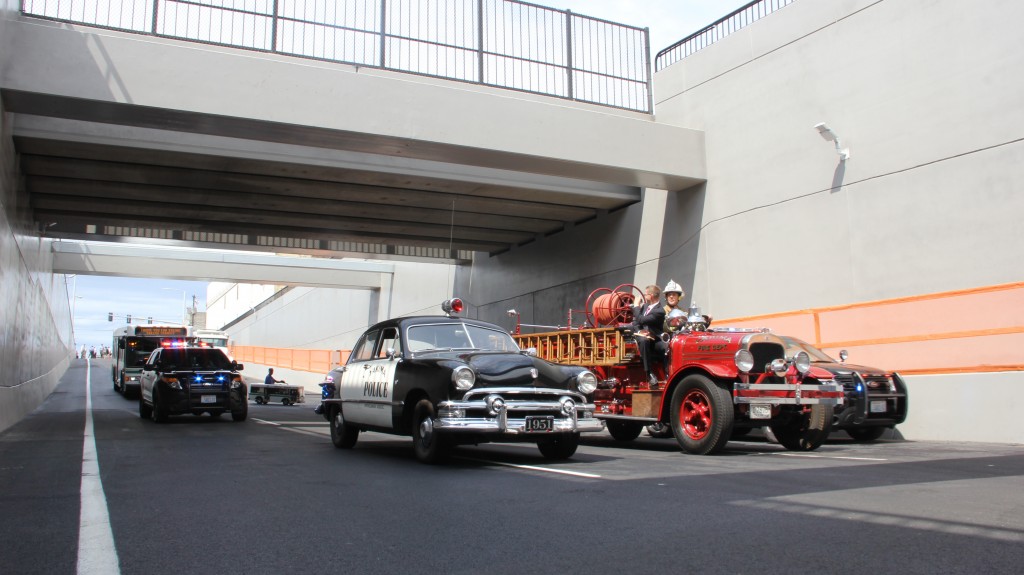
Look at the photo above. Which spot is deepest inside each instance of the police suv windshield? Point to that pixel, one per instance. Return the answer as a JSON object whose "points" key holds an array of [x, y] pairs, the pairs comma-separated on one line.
{"points": [[794, 345], [446, 336], [204, 359]]}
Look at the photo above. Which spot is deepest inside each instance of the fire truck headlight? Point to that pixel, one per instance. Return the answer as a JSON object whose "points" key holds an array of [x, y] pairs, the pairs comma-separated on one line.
{"points": [[779, 367], [744, 360], [463, 378], [586, 382], [802, 361]]}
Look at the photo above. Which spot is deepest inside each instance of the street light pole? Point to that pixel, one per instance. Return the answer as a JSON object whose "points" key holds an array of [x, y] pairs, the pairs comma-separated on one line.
{"points": [[184, 306]]}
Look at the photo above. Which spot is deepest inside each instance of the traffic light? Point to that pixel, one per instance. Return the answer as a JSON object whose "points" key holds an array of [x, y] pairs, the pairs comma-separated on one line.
{"points": [[110, 316], [129, 318]]}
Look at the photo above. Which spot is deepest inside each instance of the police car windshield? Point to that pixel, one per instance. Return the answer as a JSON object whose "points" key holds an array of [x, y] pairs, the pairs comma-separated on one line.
{"points": [[449, 336], [205, 359]]}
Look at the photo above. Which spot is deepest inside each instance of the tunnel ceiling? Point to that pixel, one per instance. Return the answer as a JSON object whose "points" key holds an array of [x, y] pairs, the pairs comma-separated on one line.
{"points": [[116, 171]]}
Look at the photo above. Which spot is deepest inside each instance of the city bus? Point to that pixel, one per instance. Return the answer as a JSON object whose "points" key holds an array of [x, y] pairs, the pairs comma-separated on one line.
{"points": [[213, 338], [132, 345]]}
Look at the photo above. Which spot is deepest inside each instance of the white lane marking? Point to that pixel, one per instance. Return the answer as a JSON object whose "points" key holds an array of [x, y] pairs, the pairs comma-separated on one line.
{"points": [[533, 468], [305, 431], [96, 550], [828, 456], [265, 422], [300, 423]]}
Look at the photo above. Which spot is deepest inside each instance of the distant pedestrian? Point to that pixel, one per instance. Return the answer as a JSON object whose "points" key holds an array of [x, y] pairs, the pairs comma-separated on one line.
{"points": [[270, 378]]}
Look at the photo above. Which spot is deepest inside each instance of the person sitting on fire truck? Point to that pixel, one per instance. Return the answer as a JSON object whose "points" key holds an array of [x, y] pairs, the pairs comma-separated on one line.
{"points": [[673, 295], [648, 323]]}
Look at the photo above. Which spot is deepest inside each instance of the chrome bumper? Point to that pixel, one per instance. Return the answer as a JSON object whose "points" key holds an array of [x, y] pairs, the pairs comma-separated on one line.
{"points": [[477, 413], [826, 393], [514, 426]]}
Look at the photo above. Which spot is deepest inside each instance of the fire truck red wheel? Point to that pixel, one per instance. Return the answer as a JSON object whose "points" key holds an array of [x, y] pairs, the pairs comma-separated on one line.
{"points": [[702, 415]]}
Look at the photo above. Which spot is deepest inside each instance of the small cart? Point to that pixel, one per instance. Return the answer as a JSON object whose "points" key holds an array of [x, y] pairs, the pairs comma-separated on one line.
{"points": [[286, 394]]}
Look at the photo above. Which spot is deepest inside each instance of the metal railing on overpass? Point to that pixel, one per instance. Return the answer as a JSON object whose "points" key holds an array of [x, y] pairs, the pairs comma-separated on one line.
{"points": [[501, 43], [735, 20]]}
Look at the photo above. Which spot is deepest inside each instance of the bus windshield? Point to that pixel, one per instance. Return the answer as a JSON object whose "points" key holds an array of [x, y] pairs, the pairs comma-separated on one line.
{"points": [[137, 350]]}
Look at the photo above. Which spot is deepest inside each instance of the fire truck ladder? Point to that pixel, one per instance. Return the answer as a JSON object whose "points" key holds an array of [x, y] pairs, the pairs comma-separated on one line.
{"points": [[587, 347]]}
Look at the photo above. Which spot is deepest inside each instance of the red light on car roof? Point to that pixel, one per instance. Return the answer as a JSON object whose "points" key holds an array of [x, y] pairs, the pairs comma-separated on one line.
{"points": [[453, 305]]}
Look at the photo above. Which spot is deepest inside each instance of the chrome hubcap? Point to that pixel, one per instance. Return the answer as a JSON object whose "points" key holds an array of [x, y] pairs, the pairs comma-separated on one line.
{"points": [[426, 431]]}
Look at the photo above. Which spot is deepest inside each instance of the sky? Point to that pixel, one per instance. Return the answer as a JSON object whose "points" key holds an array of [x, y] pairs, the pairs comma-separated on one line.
{"points": [[668, 20], [94, 297]]}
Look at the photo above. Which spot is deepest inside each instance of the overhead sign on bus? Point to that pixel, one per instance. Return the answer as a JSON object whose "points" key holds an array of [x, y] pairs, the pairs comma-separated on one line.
{"points": [[161, 330]]}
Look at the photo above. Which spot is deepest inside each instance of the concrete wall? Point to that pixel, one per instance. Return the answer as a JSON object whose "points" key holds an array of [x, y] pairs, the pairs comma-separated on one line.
{"points": [[921, 93], [544, 279], [35, 318], [322, 318]]}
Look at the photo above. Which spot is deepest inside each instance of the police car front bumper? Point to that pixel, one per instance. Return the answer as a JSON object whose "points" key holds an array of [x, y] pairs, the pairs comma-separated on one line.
{"points": [[504, 414]]}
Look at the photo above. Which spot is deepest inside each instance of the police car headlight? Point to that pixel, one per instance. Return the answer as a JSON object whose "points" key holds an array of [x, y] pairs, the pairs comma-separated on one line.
{"points": [[172, 382], [568, 406], [802, 361], [744, 360], [586, 382], [463, 378]]}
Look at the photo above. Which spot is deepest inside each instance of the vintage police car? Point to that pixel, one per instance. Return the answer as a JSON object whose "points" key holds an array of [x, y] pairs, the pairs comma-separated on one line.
{"points": [[181, 380], [446, 380], [875, 399]]}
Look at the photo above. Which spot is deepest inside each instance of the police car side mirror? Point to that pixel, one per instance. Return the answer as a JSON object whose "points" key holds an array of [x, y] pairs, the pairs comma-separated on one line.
{"points": [[843, 354], [235, 366], [391, 354]]}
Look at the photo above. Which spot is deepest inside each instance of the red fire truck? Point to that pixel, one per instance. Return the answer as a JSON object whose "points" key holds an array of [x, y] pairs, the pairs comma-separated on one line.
{"points": [[720, 382]]}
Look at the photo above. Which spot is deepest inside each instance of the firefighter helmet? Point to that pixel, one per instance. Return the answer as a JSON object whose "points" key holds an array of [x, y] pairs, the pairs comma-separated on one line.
{"points": [[673, 287]]}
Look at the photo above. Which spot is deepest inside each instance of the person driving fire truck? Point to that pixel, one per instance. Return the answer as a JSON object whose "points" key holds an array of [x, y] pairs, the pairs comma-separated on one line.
{"points": [[648, 323]]}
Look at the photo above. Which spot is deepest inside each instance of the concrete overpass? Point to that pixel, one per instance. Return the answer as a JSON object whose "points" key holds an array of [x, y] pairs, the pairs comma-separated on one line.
{"points": [[128, 135]]}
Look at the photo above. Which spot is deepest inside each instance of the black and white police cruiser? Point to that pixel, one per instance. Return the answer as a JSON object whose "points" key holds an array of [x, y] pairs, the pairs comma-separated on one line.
{"points": [[446, 380]]}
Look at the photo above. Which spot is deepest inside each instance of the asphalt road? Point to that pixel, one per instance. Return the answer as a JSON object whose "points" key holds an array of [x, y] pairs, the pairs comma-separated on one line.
{"points": [[272, 495]]}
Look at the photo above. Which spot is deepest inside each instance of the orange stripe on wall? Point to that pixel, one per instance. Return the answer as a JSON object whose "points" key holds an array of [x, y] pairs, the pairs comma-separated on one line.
{"points": [[980, 329], [313, 360]]}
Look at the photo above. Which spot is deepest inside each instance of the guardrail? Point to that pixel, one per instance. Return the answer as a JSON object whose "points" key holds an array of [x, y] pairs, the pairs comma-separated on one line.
{"points": [[739, 18], [501, 43]]}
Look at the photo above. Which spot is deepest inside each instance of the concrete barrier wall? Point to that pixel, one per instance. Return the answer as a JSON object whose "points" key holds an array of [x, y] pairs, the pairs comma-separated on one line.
{"points": [[35, 318]]}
